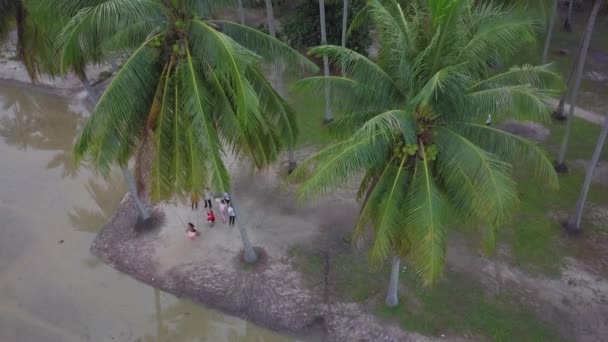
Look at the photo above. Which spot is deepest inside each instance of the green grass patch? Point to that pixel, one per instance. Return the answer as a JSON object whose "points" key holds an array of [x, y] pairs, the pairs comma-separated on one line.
{"points": [[458, 306], [535, 236], [310, 111]]}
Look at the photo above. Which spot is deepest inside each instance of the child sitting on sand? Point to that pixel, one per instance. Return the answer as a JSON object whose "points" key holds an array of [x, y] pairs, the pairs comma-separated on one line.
{"points": [[192, 232]]}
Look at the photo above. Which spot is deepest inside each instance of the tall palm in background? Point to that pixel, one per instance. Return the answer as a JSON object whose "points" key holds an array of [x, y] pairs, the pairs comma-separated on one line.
{"points": [[190, 93], [560, 164], [574, 223], [568, 21], [277, 76], [329, 116], [549, 31], [414, 131]]}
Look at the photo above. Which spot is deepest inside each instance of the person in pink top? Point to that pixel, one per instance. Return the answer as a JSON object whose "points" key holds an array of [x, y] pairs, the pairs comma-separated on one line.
{"points": [[192, 233], [223, 208]]}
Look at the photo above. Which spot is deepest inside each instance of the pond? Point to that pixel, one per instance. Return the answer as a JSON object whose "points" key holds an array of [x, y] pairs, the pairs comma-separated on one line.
{"points": [[51, 287]]}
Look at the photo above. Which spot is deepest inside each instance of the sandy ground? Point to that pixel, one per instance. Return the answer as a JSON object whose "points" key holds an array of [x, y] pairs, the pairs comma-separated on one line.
{"points": [[209, 270], [576, 303], [272, 294]]}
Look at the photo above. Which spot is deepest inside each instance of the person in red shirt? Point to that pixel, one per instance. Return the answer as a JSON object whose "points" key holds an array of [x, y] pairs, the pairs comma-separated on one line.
{"points": [[210, 217]]}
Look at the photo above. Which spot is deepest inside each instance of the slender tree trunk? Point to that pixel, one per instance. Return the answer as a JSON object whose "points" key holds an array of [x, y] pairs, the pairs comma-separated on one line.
{"points": [[558, 114], [159, 320], [141, 208], [560, 164], [249, 254], [329, 116], [241, 12], [549, 31], [277, 75], [392, 299], [574, 223], [568, 22], [344, 28]]}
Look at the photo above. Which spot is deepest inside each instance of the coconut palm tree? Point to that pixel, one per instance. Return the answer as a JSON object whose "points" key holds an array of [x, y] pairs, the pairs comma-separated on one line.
{"points": [[329, 116], [560, 164], [550, 31], [277, 76], [568, 21], [574, 223], [241, 12], [190, 92], [344, 22], [35, 47], [414, 127]]}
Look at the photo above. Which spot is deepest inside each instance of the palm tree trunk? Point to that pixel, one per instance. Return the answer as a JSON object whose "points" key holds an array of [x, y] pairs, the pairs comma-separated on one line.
{"points": [[241, 12], [141, 208], [549, 31], [329, 117], [391, 297], [249, 254], [277, 75], [159, 320], [574, 223], [344, 28], [560, 165], [558, 114], [568, 22]]}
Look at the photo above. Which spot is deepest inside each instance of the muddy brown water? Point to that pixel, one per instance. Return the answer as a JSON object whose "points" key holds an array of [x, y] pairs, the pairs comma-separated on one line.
{"points": [[51, 287]]}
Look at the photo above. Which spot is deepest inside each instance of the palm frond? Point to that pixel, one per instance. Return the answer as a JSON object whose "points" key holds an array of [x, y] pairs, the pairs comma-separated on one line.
{"points": [[513, 149], [119, 117], [202, 128], [425, 216], [273, 50], [337, 164], [360, 69], [388, 220], [163, 179], [275, 108], [521, 101], [478, 184], [498, 34], [85, 34], [224, 55], [536, 76]]}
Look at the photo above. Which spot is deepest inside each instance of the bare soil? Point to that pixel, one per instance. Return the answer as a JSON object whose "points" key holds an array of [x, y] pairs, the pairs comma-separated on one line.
{"points": [[208, 269]]}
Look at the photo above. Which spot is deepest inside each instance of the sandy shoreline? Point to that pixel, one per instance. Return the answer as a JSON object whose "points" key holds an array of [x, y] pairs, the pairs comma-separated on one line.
{"points": [[209, 271]]}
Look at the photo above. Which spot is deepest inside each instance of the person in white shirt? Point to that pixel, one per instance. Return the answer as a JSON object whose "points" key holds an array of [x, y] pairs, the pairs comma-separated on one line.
{"points": [[231, 215]]}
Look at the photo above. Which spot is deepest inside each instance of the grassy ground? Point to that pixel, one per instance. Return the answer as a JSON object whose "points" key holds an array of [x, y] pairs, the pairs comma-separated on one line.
{"points": [[535, 239], [458, 306]]}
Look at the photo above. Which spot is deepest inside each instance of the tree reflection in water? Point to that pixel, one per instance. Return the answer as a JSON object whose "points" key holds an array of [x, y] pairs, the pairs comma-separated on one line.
{"points": [[107, 195], [42, 122]]}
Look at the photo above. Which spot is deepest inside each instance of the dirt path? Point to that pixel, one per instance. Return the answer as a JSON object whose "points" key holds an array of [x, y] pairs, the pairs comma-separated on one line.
{"points": [[576, 303], [581, 113]]}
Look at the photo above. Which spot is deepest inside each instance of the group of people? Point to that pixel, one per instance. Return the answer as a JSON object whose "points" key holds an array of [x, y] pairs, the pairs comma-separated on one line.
{"points": [[226, 211]]}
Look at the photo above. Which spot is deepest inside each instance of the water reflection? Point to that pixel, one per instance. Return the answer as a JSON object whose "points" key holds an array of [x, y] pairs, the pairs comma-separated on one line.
{"points": [[107, 195], [51, 287], [33, 124]]}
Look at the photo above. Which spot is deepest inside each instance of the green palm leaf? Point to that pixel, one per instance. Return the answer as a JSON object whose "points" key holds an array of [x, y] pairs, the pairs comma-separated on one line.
{"points": [[272, 49], [119, 117]]}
